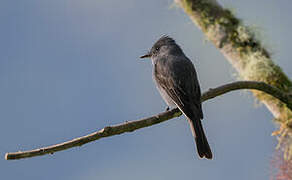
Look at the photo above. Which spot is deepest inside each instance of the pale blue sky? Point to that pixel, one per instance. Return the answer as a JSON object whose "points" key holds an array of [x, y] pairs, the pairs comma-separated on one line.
{"points": [[70, 67]]}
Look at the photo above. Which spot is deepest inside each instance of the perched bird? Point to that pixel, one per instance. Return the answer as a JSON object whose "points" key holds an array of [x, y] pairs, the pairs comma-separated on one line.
{"points": [[177, 82]]}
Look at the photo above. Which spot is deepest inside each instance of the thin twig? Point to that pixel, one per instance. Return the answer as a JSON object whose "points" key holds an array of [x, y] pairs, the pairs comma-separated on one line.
{"points": [[134, 125]]}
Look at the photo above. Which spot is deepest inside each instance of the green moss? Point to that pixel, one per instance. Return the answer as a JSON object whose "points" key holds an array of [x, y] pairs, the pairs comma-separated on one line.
{"points": [[177, 114], [202, 9], [241, 37]]}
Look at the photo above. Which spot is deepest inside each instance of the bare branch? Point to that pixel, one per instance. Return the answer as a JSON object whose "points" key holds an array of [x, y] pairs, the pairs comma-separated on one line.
{"points": [[134, 125], [261, 86]]}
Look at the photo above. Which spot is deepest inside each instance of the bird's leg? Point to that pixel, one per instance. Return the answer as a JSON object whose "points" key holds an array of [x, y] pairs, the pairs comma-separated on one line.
{"points": [[167, 108]]}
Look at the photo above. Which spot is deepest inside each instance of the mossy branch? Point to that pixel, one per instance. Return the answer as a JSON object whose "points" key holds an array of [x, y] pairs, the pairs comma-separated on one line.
{"points": [[253, 62], [130, 126], [241, 48]]}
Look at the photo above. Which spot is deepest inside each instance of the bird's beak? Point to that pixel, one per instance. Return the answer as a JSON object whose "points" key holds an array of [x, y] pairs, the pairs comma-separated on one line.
{"points": [[146, 56]]}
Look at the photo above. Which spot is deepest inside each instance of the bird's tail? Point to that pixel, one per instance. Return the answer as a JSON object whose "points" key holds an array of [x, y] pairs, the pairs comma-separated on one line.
{"points": [[203, 147]]}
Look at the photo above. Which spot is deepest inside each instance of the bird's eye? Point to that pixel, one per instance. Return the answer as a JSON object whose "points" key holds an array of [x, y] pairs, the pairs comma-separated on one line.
{"points": [[157, 48]]}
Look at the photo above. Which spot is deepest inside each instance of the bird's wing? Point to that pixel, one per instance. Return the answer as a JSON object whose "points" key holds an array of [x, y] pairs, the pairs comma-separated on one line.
{"points": [[179, 80]]}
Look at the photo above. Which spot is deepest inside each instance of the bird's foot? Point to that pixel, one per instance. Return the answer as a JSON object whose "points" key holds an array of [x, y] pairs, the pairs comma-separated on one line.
{"points": [[167, 108]]}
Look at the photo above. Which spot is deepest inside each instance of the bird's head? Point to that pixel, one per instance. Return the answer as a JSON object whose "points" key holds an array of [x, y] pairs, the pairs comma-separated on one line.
{"points": [[163, 45]]}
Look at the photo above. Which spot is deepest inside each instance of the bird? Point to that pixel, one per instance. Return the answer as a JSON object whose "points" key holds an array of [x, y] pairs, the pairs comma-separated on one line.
{"points": [[176, 79]]}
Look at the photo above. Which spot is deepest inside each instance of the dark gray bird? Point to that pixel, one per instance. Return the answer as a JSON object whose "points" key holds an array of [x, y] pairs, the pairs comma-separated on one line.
{"points": [[177, 82]]}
